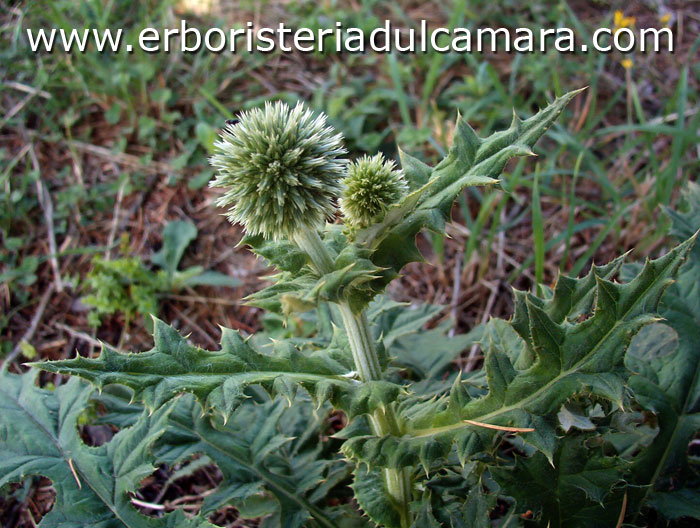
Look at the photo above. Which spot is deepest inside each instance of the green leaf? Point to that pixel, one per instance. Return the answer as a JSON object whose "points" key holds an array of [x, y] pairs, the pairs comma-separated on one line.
{"points": [[667, 383], [686, 224], [570, 418], [470, 161], [427, 353], [417, 173], [394, 320], [456, 499], [572, 357], [258, 455], [281, 254], [269, 454], [219, 378], [212, 278], [373, 497], [303, 289], [577, 490], [177, 235], [676, 504], [39, 436]]}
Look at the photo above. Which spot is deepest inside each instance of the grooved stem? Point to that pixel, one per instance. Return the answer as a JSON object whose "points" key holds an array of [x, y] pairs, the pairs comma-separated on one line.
{"points": [[383, 421], [361, 343], [309, 242]]}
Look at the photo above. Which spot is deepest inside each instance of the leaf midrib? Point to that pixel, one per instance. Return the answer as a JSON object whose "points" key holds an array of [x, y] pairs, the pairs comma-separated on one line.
{"points": [[318, 514], [681, 417], [63, 454], [421, 433], [261, 375]]}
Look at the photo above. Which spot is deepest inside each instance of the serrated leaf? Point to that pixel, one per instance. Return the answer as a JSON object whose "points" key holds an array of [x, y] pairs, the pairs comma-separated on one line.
{"points": [[667, 382], [470, 161], [394, 320], [570, 418], [676, 504], [457, 500], [572, 357], [373, 498], [256, 455], [576, 491], [39, 436], [219, 379], [304, 290], [281, 254]]}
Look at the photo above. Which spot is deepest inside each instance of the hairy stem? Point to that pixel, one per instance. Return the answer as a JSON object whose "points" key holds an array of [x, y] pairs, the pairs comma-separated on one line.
{"points": [[383, 421], [361, 343]]}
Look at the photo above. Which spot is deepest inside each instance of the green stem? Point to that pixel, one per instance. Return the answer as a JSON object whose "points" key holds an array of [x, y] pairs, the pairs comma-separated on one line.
{"points": [[311, 243], [361, 343], [383, 421]]}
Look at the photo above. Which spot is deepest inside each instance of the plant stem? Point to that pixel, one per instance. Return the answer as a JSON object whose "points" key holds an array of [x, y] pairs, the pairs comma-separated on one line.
{"points": [[311, 243], [383, 421], [361, 343]]}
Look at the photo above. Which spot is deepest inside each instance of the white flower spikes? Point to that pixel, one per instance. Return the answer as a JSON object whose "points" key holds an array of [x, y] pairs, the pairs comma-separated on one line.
{"points": [[281, 170]]}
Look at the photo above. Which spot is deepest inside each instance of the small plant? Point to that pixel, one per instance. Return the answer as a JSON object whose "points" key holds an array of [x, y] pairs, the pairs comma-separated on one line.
{"points": [[126, 285], [566, 424]]}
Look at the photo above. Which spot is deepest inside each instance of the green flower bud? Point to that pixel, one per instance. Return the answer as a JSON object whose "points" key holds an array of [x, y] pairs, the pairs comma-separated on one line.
{"points": [[373, 185], [281, 170]]}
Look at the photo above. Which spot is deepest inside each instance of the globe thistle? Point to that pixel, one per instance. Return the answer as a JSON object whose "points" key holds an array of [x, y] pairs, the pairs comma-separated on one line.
{"points": [[281, 170], [373, 184]]}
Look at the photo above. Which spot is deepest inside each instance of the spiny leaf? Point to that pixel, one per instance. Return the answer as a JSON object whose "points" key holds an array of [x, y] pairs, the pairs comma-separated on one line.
{"points": [[571, 357], [470, 161], [578, 491], [256, 455], [219, 378], [668, 384], [39, 436], [427, 353], [457, 500], [303, 290], [268, 453], [373, 498], [281, 254]]}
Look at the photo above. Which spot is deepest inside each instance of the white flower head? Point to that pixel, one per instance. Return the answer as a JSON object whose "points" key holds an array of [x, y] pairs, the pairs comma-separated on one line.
{"points": [[281, 168]]}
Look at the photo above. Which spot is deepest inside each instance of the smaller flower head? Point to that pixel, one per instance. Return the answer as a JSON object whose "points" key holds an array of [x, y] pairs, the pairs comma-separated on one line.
{"points": [[280, 168], [373, 184]]}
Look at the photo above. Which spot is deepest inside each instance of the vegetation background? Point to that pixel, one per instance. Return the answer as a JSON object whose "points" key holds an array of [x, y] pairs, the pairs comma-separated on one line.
{"points": [[105, 213]]}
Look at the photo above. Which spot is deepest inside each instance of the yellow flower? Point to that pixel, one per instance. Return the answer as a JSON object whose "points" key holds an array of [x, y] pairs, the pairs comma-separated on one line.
{"points": [[665, 19], [627, 63], [621, 21]]}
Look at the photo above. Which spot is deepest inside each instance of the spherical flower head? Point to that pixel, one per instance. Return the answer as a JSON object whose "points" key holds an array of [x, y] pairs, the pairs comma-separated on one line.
{"points": [[281, 170], [373, 185]]}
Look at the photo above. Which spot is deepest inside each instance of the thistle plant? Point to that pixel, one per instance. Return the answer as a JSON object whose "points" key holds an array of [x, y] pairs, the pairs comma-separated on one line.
{"points": [[551, 425]]}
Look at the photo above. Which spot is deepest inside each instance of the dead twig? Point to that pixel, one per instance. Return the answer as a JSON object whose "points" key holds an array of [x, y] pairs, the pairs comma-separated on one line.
{"points": [[33, 325], [121, 158], [47, 207], [115, 219], [81, 335]]}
